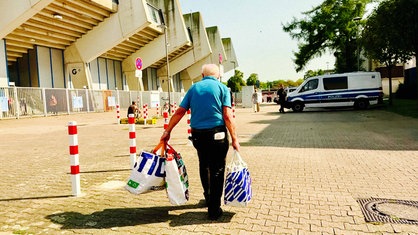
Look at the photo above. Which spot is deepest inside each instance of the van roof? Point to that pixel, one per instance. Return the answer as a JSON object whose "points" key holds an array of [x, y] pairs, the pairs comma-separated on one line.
{"points": [[344, 74]]}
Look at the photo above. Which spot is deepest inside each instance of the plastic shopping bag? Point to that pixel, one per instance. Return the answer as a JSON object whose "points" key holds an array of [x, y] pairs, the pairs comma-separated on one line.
{"points": [[148, 173], [177, 182], [237, 188]]}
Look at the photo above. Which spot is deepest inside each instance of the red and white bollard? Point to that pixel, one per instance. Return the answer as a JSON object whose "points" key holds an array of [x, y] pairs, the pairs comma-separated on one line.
{"points": [[118, 113], [172, 109], [145, 111], [233, 110], [132, 139], [165, 116], [74, 160]]}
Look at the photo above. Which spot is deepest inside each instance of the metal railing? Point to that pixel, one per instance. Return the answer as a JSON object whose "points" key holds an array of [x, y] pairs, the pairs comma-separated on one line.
{"points": [[18, 102]]}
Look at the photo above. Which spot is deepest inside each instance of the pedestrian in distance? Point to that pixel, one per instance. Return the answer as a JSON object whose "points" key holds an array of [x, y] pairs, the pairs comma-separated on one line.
{"points": [[53, 104], [133, 109], [211, 118], [282, 98], [256, 101]]}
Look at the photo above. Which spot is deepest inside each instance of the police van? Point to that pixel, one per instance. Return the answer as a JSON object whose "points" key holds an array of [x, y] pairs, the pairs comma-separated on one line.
{"points": [[357, 89]]}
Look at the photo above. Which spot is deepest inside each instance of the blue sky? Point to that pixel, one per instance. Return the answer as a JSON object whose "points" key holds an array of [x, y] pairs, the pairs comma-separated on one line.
{"points": [[255, 28]]}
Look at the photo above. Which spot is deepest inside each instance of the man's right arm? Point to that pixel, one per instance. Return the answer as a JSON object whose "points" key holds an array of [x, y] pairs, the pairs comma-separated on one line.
{"points": [[178, 115]]}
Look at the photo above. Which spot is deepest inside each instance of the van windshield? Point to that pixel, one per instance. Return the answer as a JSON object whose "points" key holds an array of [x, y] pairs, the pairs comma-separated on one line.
{"points": [[311, 85]]}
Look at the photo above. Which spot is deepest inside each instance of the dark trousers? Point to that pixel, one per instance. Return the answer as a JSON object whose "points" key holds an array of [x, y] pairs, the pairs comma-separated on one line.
{"points": [[212, 156], [282, 103]]}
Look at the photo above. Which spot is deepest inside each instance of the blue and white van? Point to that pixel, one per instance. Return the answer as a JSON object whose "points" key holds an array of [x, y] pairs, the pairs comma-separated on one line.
{"points": [[357, 89]]}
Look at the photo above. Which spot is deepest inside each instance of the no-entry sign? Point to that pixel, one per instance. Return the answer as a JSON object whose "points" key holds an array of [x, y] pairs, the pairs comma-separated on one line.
{"points": [[138, 63]]}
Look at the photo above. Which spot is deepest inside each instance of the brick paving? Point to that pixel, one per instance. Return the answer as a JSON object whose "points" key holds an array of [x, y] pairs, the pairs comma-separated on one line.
{"points": [[308, 170]]}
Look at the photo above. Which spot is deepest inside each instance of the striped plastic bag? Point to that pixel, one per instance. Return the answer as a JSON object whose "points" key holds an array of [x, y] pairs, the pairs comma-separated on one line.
{"points": [[237, 188]]}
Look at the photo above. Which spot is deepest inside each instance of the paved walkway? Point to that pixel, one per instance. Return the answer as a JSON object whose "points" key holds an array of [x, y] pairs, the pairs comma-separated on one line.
{"points": [[308, 170]]}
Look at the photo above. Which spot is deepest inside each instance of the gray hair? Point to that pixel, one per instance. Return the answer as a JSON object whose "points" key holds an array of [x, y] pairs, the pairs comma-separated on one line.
{"points": [[210, 70]]}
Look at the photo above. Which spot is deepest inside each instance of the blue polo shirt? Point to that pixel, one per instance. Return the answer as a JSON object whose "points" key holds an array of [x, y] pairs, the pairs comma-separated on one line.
{"points": [[206, 99]]}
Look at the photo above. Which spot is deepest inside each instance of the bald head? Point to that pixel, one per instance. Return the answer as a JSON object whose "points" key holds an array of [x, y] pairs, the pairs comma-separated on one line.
{"points": [[210, 70]]}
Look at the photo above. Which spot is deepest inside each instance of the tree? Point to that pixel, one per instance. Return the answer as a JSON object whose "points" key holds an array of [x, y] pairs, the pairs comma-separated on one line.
{"points": [[406, 13], [311, 73], [380, 39], [252, 79], [236, 82], [329, 26]]}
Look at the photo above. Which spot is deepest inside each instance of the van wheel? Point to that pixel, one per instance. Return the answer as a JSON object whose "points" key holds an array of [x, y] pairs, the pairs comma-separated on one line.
{"points": [[361, 104], [298, 107]]}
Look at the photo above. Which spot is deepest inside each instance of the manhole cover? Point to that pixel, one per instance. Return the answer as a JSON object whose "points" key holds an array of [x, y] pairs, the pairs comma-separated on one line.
{"points": [[389, 210]]}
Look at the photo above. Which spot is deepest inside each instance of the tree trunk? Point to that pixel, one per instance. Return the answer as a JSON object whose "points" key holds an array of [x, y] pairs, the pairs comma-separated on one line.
{"points": [[416, 71], [390, 83]]}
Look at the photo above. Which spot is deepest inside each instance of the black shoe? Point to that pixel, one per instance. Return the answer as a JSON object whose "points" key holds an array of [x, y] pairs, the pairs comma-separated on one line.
{"points": [[216, 215]]}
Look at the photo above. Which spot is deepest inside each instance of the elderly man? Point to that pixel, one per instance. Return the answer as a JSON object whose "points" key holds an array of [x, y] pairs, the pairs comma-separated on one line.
{"points": [[211, 117]]}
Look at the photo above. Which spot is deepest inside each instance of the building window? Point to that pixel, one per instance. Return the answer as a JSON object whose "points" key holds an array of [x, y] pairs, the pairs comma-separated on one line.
{"points": [[153, 12]]}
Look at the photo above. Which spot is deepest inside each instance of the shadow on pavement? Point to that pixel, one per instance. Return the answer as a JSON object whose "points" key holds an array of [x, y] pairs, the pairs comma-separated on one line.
{"points": [[121, 217], [33, 198]]}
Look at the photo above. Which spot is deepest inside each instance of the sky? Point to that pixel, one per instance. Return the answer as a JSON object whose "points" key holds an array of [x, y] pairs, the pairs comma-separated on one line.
{"points": [[255, 28]]}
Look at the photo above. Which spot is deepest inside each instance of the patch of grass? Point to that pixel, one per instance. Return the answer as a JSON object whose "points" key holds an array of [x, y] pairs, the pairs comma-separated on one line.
{"points": [[403, 107]]}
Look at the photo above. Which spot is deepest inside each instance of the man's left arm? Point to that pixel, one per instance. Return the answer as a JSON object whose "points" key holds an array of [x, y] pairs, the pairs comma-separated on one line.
{"points": [[230, 125]]}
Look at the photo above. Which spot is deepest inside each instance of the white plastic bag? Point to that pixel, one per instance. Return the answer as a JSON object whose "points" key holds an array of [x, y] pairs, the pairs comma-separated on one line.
{"points": [[176, 178], [237, 188], [148, 173]]}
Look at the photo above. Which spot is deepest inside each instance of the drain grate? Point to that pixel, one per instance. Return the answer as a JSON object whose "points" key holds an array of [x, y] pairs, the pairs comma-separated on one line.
{"points": [[389, 210]]}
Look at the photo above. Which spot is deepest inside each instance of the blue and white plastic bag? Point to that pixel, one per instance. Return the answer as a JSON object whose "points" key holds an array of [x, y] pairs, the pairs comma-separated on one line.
{"points": [[237, 188]]}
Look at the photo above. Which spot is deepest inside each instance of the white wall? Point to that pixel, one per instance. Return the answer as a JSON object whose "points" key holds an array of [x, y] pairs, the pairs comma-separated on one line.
{"points": [[4, 80], [247, 92], [50, 67], [105, 74]]}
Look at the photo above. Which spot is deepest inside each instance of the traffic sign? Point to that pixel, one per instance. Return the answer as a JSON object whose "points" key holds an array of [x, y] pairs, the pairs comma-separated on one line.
{"points": [[138, 63]]}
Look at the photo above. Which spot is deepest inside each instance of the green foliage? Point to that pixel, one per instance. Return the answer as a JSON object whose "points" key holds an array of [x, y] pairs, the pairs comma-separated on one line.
{"points": [[381, 36], [275, 84], [329, 26], [252, 79], [266, 85], [311, 73], [236, 82], [387, 34], [406, 13]]}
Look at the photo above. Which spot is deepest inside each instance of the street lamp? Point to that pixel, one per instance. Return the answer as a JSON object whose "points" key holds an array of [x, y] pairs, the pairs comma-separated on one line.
{"points": [[164, 26], [357, 20]]}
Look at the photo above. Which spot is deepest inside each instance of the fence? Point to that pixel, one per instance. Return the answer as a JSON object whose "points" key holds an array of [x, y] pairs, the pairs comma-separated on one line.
{"points": [[18, 102]]}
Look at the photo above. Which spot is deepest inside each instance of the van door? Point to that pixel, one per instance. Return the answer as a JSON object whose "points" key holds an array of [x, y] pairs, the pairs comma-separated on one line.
{"points": [[310, 93]]}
